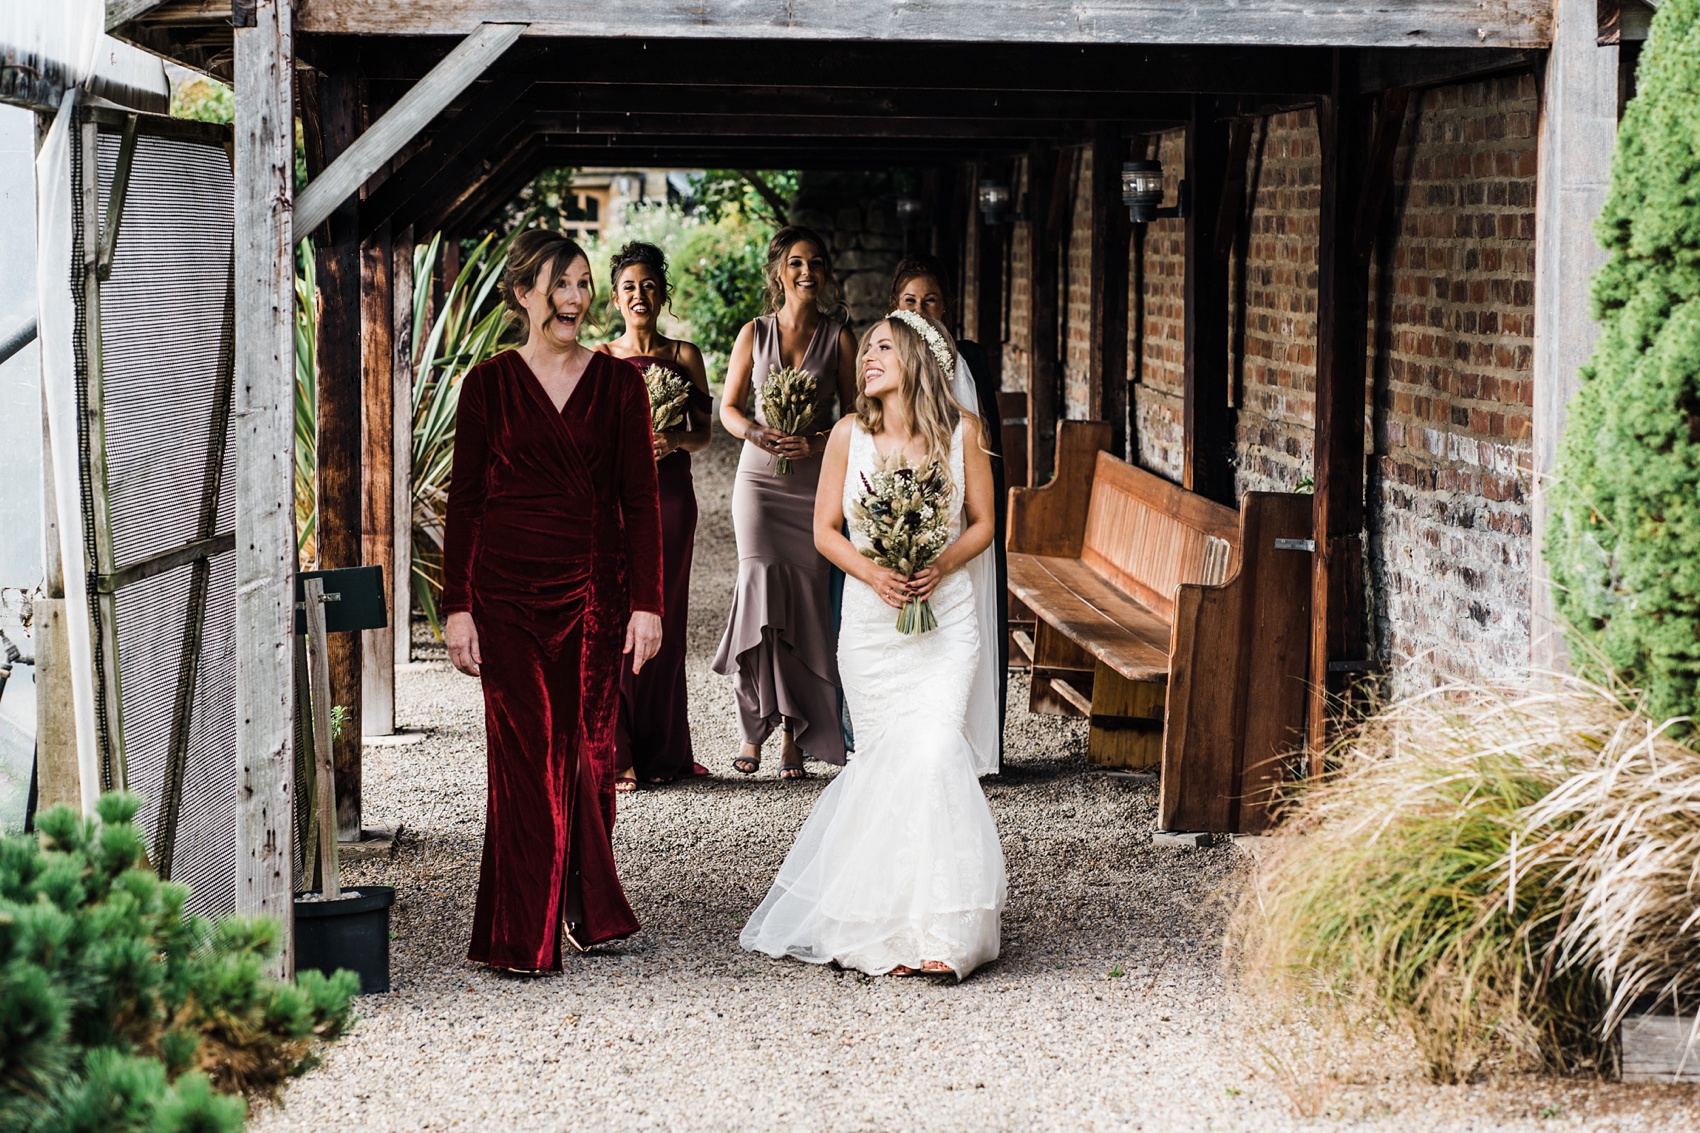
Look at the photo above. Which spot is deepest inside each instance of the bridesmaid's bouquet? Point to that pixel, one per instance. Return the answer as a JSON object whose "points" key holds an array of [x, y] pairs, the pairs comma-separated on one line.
{"points": [[668, 394], [788, 404], [904, 514]]}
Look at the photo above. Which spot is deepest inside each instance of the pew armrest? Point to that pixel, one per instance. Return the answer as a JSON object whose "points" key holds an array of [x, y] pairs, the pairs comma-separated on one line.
{"points": [[1051, 518]]}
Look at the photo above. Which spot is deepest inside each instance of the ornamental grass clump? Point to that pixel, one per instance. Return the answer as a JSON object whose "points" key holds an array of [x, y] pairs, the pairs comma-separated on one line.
{"points": [[1498, 872], [120, 1013], [1623, 537], [788, 404]]}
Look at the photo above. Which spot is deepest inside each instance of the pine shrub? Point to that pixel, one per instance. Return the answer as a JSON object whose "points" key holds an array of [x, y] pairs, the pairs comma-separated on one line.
{"points": [[1624, 542], [119, 1012]]}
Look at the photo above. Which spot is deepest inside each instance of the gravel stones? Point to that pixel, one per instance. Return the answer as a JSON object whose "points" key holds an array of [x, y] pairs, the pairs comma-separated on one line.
{"points": [[1107, 1009]]}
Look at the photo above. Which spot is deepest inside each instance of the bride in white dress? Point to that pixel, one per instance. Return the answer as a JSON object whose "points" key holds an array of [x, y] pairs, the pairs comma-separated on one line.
{"points": [[898, 868]]}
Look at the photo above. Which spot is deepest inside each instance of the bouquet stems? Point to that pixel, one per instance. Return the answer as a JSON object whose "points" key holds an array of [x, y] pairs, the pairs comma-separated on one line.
{"points": [[916, 616]]}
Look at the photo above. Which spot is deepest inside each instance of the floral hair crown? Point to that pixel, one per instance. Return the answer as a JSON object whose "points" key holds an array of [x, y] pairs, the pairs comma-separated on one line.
{"points": [[935, 340]]}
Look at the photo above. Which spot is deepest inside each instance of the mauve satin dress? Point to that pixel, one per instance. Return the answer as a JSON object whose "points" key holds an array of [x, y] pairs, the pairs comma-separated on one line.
{"points": [[781, 641], [653, 732], [553, 538]]}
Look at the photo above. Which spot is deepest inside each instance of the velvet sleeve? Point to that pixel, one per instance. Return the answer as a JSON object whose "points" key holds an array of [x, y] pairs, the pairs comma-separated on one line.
{"points": [[640, 499], [467, 486]]}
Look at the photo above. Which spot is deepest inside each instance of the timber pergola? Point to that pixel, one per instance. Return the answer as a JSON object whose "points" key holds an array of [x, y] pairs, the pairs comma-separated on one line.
{"points": [[429, 115]]}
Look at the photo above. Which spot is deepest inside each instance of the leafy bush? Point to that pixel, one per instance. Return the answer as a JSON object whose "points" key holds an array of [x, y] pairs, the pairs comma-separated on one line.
{"points": [[117, 1011], [1624, 539]]}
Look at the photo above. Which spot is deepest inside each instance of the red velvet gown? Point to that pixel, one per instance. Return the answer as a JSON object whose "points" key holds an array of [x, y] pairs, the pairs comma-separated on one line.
{"points": [[653, 735], [553, 538]]}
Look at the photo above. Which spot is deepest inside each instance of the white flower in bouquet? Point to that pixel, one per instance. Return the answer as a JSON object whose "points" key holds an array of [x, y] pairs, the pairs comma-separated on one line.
{"points": [[904, 514], [668, 395], [788, 404]]}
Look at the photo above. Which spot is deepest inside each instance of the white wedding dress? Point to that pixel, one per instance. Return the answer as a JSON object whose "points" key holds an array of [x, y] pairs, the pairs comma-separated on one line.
{"points": [[899, 862]]}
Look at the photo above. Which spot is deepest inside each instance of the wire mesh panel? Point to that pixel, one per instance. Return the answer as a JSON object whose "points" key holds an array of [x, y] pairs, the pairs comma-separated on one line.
{"points": [[155, 379]]}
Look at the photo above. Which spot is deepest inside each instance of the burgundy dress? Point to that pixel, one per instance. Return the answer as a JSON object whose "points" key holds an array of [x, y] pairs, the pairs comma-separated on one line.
{"points": [[553, 537], [653, 733]]}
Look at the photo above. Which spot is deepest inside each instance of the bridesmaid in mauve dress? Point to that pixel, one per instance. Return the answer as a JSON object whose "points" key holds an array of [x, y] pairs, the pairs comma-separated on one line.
{"points": [[551, 568], [781, 640], [652, 736]]}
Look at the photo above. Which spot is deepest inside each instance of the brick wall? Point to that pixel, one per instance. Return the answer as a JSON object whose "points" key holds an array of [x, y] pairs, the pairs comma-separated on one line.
{"points": [[1450, 527], [1017, 288], [1157, 399], [1273, 327]]}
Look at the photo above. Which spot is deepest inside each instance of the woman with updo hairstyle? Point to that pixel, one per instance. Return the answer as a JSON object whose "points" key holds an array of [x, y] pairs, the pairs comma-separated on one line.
{"points": [[781, 638], [551, 571], [652, 734], [919, 285]]}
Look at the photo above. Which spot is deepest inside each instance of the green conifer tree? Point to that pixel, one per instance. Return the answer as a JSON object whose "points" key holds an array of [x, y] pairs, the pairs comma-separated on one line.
{"points": [[119, 1013], [1624, 539]]}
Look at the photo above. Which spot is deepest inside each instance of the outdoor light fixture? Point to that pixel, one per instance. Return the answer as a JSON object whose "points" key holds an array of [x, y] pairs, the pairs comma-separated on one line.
{"points": [[908, 210], [1142, 192], [995, 202]]}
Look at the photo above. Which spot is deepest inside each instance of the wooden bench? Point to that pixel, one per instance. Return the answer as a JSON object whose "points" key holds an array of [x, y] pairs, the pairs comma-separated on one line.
{"points": [[1180, 627]]}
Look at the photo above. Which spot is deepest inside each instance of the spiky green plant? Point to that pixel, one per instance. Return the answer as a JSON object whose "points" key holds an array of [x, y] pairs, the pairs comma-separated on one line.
{"points": [[1624, 538], [465, 330], [120, 1013], [306, 399]]}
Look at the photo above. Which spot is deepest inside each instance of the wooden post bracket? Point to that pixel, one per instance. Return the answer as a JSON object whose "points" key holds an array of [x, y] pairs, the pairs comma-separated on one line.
{"points": [[428, 97]]}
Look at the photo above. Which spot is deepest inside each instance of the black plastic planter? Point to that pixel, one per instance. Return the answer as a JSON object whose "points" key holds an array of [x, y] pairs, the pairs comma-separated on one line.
{"points": [[352, 932]]}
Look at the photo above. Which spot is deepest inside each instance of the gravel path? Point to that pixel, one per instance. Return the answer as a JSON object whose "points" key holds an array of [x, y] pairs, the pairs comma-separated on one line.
{"points": [[1106, 1011]]}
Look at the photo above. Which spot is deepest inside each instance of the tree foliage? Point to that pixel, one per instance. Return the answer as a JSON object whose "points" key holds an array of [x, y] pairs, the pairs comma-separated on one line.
{"points": [[119, 1013], [1624, 540]]}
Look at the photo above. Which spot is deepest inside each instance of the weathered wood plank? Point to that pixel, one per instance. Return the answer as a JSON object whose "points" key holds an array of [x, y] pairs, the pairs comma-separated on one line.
{"points": [[1101, 620], [1050, 519], [1437, 23], [1047, 186], [264, 164], [1578, 127], [401, 459], [378, 496], [1661, 1048], [482, 46], [1342, 304]]}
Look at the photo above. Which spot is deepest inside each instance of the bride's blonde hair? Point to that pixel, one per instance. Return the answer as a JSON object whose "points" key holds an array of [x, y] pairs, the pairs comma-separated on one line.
{"points": [[934, 411]]}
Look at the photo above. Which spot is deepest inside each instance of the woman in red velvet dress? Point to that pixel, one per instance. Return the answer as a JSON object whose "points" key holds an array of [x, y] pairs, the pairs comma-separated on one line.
{"points": [[551, 569], [652, 737]]}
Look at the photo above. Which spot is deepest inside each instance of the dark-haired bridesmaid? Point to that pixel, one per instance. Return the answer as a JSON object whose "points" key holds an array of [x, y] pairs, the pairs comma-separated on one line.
{"points": [[918, 284], [781, 641], [652, 739]]}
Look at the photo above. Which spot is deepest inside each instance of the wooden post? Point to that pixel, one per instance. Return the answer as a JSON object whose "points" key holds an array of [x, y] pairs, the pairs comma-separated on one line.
{"points": [[1342, 306], [378, 498], [1578, 127], [401, 462], [265, 444], [1209, 433], [1112, 239], [1042, 171], [334, 109]]}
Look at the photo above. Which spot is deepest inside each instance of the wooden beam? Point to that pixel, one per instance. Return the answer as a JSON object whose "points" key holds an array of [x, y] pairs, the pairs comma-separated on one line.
{"points": [[491, 190], [1378, 172], [989, 281], [452, 182], [1209, 426], [378, 471], [1044, 170], [264, 165], [636, 123], [1337, 650], [401, 459], [1112, 239], [121, 12], [480, 117], [331, 112], [1578, 126], [1387, 68], [875, 70], [364, 157], [1457, 23]]}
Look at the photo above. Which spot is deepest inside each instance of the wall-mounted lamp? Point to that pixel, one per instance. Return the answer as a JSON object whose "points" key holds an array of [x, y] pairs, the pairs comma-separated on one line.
{"points": [[1142, 193], [908, 210], [995, 202]]}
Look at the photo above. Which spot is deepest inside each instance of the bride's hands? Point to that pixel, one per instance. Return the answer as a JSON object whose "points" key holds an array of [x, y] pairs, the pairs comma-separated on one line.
{"points": [[923, 582], [892, 587]]}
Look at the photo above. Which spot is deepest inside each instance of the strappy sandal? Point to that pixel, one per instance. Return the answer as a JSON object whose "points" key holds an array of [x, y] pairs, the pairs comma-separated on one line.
{"points": [[744, 765], [624, 785], [791, 772], [942, 969]]}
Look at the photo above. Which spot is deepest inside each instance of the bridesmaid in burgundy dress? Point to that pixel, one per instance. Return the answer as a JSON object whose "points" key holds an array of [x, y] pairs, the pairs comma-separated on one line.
{"points": [[652, 738], [551, 569]]}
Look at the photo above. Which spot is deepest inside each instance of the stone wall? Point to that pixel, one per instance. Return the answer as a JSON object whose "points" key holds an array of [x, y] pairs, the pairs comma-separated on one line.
{"points": [[854, 212]]}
